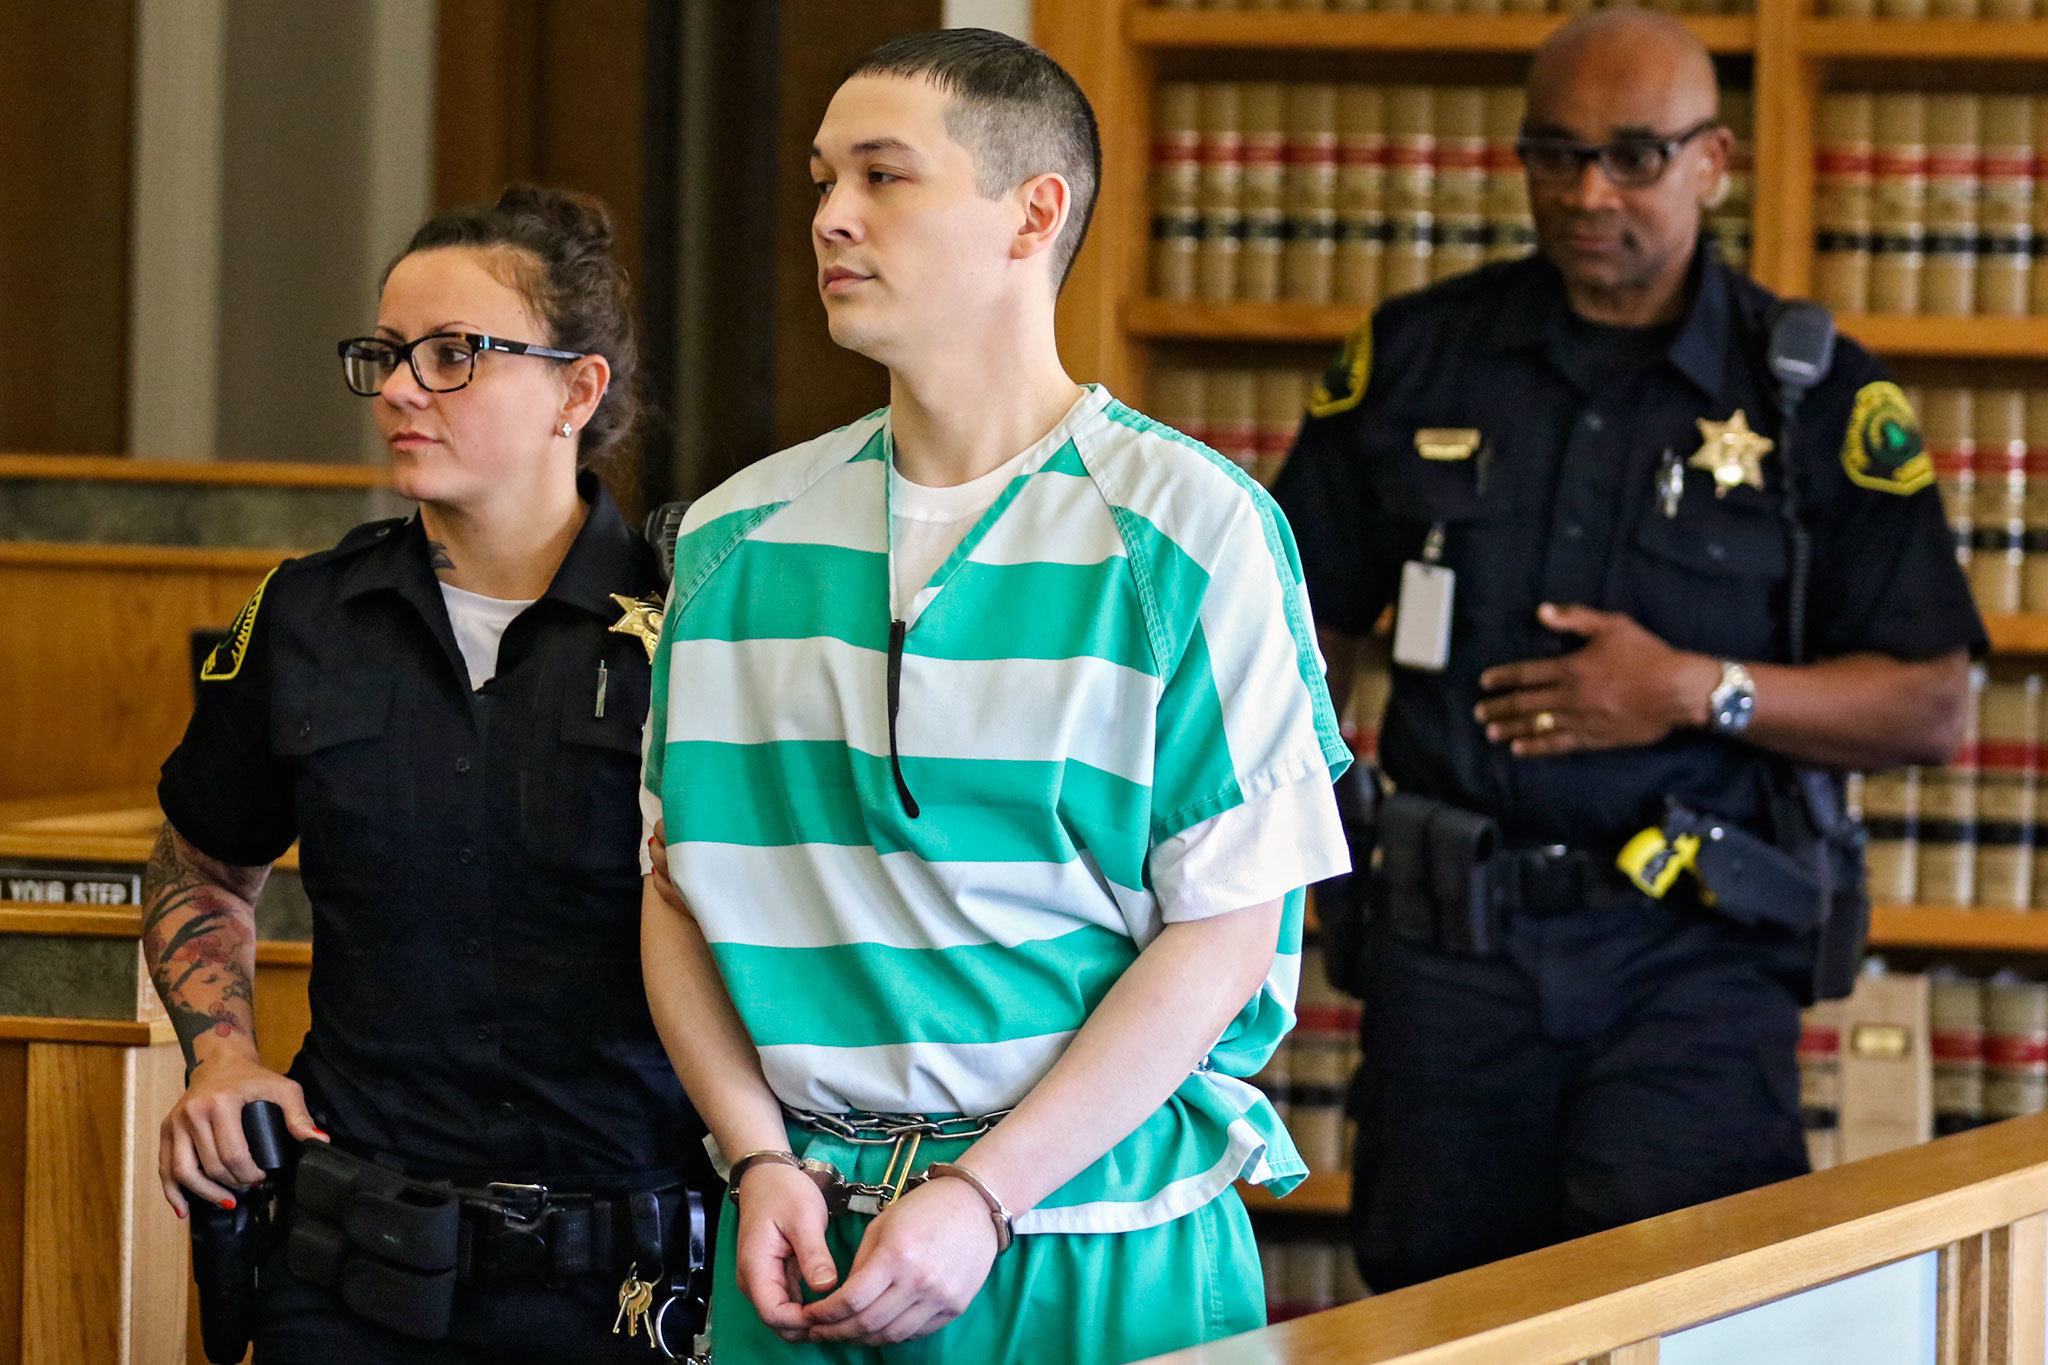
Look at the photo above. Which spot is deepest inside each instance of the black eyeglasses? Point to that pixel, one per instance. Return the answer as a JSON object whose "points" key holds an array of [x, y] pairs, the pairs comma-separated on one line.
{"points": [[1630, 162], [442, 362]]}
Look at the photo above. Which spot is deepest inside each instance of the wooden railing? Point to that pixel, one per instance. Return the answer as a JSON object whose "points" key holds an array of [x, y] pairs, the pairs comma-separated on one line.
{"points": [[1977, 1202]]}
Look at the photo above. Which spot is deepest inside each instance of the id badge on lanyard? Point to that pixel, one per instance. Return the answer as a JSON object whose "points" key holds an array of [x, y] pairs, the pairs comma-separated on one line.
{"points": [[1422, 617]]}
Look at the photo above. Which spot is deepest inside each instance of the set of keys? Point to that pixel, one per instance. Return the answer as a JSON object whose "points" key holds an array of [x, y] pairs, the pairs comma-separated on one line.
{"points": [[636, 1301]]}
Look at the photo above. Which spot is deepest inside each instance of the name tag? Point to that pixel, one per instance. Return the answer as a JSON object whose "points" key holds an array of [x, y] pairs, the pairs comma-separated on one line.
{"points": [[1422, 618], [1446, 443]]}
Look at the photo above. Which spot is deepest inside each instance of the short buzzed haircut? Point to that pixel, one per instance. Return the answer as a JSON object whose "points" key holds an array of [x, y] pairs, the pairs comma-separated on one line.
{"points": [[1016, 110]]}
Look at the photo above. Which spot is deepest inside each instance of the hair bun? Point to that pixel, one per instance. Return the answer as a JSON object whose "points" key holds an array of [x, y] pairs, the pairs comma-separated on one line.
{"points": [[581, 217]]}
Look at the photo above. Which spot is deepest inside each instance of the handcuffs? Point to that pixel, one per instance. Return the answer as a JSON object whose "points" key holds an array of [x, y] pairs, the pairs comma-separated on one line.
{"points": [[869, 1199]]}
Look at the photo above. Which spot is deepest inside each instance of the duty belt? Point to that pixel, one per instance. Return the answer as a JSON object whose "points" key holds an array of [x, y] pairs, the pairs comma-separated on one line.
{"points": [[905, 1132]]}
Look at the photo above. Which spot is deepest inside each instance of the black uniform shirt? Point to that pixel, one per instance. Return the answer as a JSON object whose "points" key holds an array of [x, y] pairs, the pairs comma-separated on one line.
{"points": [[1558, 500], [471, 858]]}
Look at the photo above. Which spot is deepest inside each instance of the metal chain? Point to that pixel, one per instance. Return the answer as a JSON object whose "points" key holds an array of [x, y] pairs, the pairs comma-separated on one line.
{"points": [[876, 1130]]}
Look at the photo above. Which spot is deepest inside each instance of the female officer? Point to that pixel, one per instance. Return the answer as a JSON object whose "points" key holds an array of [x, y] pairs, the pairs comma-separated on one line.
{"points": [[441, 712]]}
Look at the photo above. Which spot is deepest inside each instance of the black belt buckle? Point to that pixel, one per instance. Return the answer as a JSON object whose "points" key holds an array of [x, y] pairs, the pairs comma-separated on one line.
{"points": [[511, 1241]]}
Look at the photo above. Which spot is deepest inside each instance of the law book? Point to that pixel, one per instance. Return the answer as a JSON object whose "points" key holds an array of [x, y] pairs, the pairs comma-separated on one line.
{"points": [[1458, 197], [1955, 1039], [1998, 515], [2015, 1047], [1891, 815], [2005, 212], [1220, 256], [1231, 412], [1948, 423], [1178, 397], [1361, 193], [1886, 1073], [1510, 232], [1948, 280], [2034, 567], [1954, 9], [1842, 199], [1899, 201], [1903, 9], [1282, 398], [1729, 220], [1948, 817], [1265, 134], [1847, 9], [1309, 193], [2011, 9], [1820, 1081], [1176, 190], [2008, 749], [2037, 275], [1276, 1267], [1411, 188]]}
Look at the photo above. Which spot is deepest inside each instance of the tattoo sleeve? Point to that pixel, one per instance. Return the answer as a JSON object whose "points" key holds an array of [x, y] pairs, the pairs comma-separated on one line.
{"points": [[199, 939]]}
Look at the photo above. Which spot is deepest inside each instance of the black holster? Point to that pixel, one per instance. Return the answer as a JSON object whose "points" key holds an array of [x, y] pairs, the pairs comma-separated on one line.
{"points": [[1343, 904], [229, 1245]]}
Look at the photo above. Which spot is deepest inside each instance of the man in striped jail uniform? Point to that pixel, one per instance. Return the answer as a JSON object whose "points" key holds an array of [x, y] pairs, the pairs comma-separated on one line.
{"points": [[994, 753]]}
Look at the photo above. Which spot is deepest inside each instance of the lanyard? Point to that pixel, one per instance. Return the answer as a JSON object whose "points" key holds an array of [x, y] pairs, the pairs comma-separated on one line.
{"points": [[899, 628]]}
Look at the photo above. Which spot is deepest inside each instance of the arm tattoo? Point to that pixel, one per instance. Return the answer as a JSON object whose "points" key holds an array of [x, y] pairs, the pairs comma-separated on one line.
{"points": [[199, 938], [438, 557]]}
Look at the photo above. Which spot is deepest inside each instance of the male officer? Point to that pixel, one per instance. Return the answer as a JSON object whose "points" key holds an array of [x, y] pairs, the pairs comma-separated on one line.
{"points": [[1570, 472]]}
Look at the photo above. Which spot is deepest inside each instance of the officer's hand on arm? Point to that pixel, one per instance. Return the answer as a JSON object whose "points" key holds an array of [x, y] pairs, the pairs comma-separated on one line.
{"points": [[1624, 688], [657, 852], [199, 939]]}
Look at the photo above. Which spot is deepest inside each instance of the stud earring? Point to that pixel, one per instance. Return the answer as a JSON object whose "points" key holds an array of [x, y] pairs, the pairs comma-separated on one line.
{"points": [[568, 430]]}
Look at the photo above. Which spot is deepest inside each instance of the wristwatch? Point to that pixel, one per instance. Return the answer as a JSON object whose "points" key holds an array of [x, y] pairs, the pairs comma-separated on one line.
{"points": [[1733, 700]]}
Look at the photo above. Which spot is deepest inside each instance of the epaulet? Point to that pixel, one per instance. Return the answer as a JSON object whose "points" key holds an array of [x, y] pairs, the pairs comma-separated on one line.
{"points": [[366, 535]]}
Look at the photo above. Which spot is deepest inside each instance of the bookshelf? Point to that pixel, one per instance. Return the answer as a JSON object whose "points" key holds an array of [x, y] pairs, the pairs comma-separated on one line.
{"points": [[1943, 929], [1118, 49]]}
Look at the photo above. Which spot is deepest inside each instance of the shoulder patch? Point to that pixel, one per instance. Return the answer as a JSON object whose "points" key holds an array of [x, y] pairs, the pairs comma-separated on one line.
{"points": [[1342, 386], [1883, 448], [226, 660]]}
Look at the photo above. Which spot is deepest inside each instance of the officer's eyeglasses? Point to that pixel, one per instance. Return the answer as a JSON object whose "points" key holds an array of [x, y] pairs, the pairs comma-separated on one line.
{"points": [[1630, 162], [442, 362]]}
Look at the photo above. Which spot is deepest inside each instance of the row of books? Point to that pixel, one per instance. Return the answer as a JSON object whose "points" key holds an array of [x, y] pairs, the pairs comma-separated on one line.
{"points": [[1248, 415], [1990, 453], [1908, 1057], [1931, 203], [1967, 833], [1306, 1274], [1929, 9], [1313, 192], [1453, 6]]}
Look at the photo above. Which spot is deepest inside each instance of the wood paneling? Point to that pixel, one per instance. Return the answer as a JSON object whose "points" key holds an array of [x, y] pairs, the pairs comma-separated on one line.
{"points": [[64, 224], [105, 1277], [13, 1174], [95, 660]]}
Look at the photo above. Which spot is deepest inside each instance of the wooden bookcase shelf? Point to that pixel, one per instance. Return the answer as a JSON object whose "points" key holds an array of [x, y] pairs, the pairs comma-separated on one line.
{"points": [[1983, 40], [1110, 329], [1968, 338], [1964, 930], [1322, 1192], [1152, 28], [2024, 634]]}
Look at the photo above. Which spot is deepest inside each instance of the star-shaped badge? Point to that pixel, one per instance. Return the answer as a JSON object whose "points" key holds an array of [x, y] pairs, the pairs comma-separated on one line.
{"points": [[642, 621], [1732, 453]]}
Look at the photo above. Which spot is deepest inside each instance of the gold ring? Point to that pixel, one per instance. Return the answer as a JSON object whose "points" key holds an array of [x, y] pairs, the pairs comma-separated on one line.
{"points": [[1546, 721]]}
